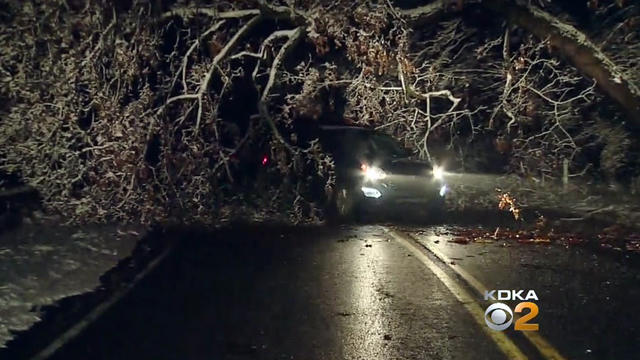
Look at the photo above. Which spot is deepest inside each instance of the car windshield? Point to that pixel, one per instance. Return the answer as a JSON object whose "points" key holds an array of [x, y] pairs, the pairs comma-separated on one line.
{"points": [[358, 143], [383, 144]]}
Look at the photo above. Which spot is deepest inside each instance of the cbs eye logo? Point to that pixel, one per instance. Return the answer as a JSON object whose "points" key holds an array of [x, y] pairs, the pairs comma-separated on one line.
{"points": [[499, 316]]}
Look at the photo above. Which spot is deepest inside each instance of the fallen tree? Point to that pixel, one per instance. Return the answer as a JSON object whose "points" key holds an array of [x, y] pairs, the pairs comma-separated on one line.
{"points": [[150, 112], [578, 49]]}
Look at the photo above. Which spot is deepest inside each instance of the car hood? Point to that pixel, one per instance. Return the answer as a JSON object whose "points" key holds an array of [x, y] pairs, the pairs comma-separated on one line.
{"points": [[406, 166]]}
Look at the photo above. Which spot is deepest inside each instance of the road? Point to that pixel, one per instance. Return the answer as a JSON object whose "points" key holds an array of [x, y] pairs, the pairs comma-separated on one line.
{"points": [[365, 292]]}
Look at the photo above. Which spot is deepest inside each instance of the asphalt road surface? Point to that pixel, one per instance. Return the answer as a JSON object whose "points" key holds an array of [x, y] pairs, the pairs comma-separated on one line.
{"points": [[365, 292]]}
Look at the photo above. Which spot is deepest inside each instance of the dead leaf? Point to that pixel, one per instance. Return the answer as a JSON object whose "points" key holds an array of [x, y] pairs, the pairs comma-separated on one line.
{"points": [[460, 240], [539, 240]]}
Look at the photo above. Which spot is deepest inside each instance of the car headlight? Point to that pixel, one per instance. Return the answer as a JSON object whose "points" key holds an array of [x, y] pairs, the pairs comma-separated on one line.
{"points": [[438, 172], [373, 173], [371, 192]]}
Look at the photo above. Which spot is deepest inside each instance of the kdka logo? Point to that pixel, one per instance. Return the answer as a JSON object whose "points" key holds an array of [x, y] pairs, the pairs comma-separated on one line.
{"points": [[499, 316]]}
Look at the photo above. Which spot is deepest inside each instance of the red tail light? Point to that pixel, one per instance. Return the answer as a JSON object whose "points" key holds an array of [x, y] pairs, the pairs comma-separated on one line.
{"points": [[265, 160]]}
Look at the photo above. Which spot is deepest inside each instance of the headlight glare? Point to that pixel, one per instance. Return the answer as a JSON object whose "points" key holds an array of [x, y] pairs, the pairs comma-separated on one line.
{"points": [[372, 173], [438, 172]]}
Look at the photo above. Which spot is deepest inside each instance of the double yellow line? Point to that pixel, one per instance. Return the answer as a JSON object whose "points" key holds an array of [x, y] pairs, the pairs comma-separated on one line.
{"points": [[505, 344]]}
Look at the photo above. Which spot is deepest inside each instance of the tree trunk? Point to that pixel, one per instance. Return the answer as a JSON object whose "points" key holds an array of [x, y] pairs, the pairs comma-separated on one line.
{"points": [[579, 50], [426, 14]]}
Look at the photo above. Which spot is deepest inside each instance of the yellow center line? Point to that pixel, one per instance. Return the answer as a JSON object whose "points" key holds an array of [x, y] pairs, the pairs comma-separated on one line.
{"points": [[538, 341], [502, 341]]}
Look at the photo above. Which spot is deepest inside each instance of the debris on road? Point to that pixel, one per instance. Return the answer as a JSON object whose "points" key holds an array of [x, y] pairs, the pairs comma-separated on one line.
{"points": [[460, 240], [507, 202], [613, 238]]}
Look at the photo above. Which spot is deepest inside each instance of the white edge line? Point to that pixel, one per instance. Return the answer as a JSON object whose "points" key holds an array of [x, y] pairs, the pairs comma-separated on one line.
{"points": [[76, 329]]}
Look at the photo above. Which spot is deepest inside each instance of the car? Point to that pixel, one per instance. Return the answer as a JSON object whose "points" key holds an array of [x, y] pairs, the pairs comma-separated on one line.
{"points": [[375, 172]]}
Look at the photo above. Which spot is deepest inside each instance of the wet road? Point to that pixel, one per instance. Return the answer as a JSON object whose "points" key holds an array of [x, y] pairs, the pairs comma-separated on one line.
{"points": [[360, 292]]}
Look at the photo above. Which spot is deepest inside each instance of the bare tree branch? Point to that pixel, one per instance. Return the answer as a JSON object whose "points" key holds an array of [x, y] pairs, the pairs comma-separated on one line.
{"points": [[429, 13], [294, 36], [573, 44], [204, 84], [210, 12]]}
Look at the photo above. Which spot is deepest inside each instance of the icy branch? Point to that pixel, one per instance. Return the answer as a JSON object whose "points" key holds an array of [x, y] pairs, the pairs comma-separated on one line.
{"points": [[204, 84], [210, 12], [425, 13], [572, 43], [294, 36]]}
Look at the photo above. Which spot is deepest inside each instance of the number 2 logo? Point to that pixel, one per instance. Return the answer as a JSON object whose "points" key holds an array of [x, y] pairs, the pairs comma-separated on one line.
{"points": [[499, 317], [522, 323]]}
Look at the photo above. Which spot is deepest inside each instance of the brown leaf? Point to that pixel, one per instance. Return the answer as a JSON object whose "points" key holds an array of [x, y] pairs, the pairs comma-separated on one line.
{"points": [[538, 240], [460, 240]]}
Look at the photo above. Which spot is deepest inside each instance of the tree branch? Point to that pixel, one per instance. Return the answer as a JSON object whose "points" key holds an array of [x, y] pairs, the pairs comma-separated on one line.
{"points": [[282, 13], [186, 13], [294, 36], [204, 84], [267, 10], [578, 49], [424, 14]]}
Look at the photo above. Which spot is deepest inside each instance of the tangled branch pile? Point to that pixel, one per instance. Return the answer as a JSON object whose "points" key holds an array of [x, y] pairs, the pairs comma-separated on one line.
{"points": [[151, 111]]}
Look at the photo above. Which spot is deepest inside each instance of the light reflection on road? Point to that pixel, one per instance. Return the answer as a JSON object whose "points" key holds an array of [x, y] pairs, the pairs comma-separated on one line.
{"points": [[370, 322]]}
